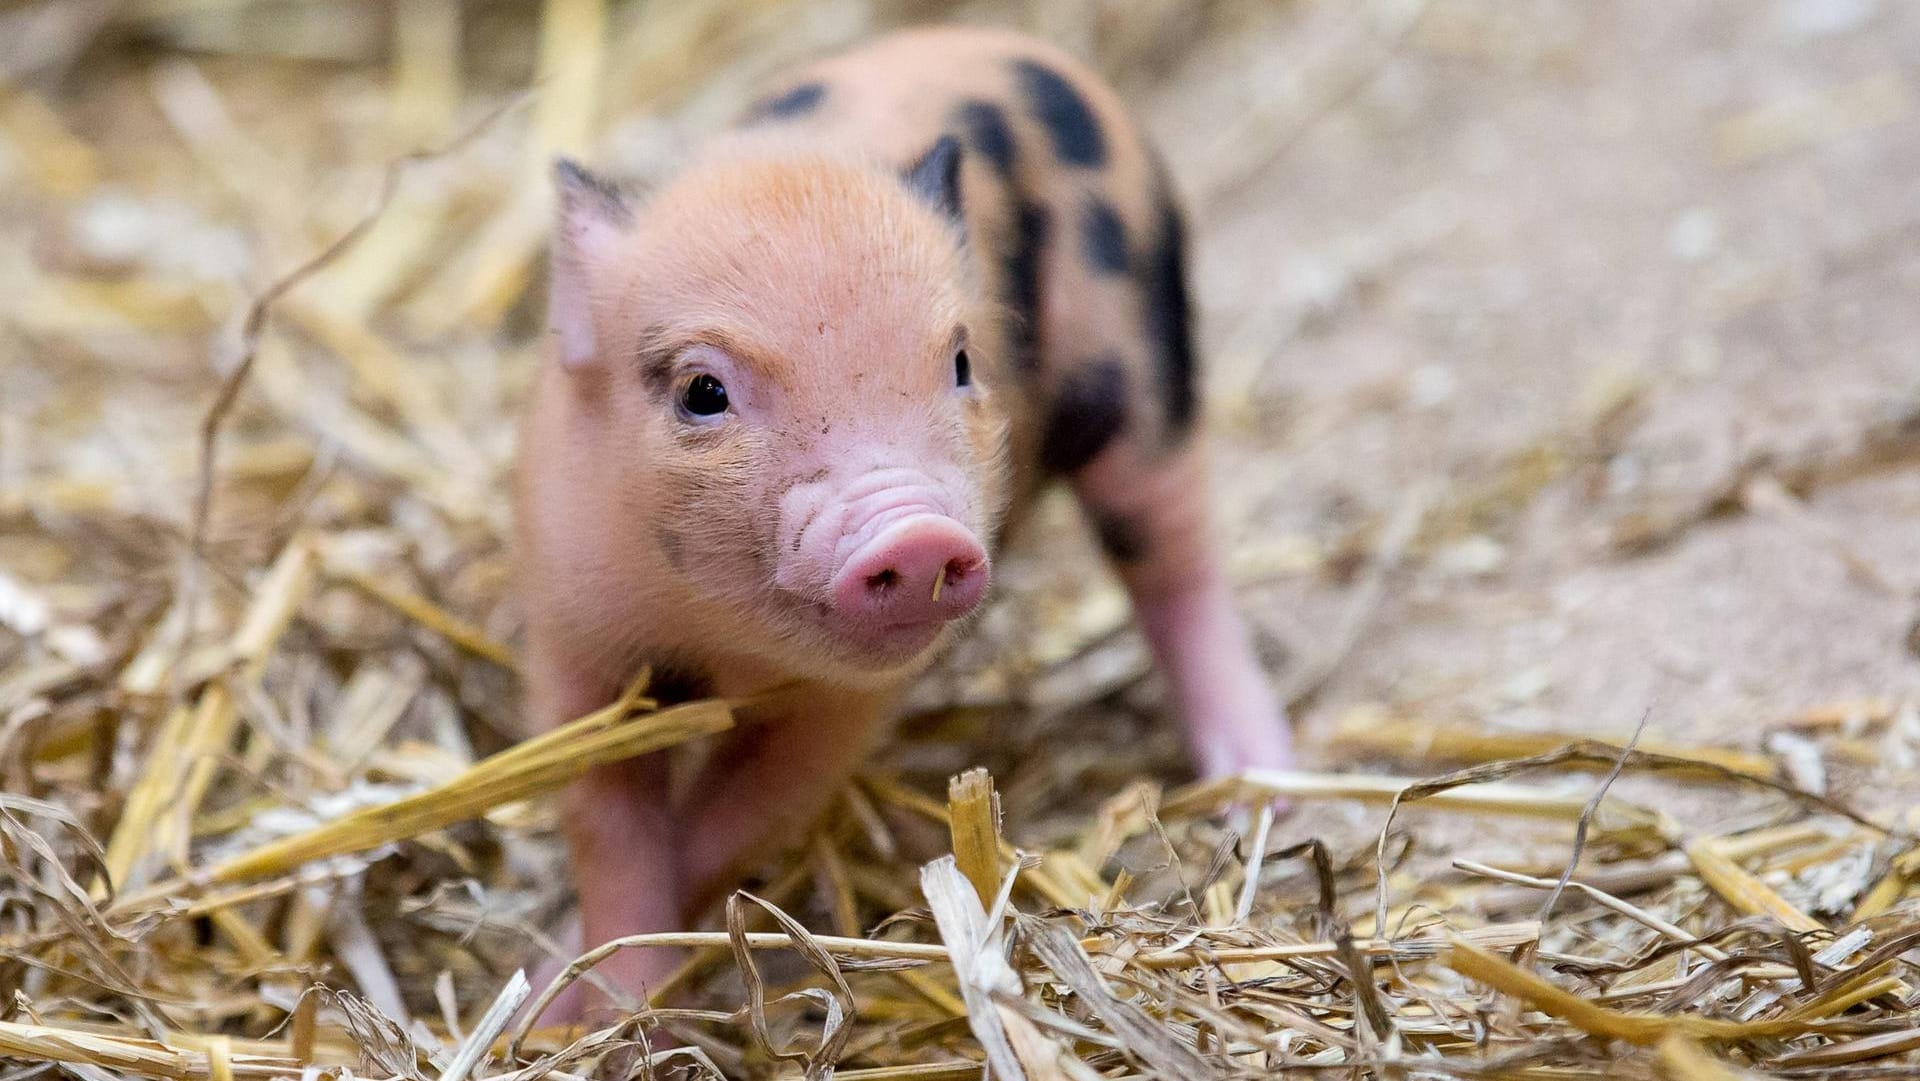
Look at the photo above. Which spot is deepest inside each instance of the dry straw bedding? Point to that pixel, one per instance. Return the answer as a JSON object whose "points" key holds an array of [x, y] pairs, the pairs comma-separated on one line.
{"points": [[264, 815]]}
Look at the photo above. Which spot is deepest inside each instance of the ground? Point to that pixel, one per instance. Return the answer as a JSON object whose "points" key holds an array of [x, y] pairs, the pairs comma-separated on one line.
{"points": [[1565, 207], [1565, 284]]}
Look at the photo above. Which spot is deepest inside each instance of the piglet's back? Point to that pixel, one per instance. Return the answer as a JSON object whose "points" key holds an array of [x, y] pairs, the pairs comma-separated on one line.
{"points": [[1077, 232]]}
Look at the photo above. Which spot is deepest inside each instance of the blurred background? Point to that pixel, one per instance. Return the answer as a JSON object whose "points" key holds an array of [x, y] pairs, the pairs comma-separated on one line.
{"points": [[1562, 355], [1563, 358]]}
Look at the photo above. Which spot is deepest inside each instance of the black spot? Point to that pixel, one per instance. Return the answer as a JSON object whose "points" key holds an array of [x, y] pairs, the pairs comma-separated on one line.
{"points": [[1087, 412], [1121, 537], [799, 101], [1168, 320], [675, 681], [1069, 120], [987, 133], [1020, 285], [1105, 236], [936, 176]]}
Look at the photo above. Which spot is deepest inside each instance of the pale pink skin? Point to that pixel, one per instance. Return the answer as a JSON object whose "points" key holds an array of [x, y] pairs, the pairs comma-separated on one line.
{"points": [[794, 542]]}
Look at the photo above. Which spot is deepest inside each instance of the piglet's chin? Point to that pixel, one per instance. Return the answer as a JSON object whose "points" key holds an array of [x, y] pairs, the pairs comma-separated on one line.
{"points": [[882, 650], [892, 596]]}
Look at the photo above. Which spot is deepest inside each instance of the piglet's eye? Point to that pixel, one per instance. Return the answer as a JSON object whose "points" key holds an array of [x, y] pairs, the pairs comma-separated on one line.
{"points": [[705, 396], [962, 369]]}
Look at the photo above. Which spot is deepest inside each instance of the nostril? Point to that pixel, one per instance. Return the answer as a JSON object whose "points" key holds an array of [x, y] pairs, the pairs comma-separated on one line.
{"points": [[920, 571], [954, 574]]}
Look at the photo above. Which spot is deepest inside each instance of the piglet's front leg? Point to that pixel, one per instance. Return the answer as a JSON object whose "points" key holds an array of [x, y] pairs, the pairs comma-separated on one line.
{"points": [[622, 840], [799, 748], [1152, 516]]}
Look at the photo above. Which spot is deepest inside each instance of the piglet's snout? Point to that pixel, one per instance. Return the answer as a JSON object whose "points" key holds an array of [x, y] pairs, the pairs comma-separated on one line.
{"points": [[920, 569], [886, 552]]}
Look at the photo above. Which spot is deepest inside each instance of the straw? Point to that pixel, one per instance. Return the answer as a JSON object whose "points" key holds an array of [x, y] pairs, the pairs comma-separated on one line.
{"points": [[272, 808]]}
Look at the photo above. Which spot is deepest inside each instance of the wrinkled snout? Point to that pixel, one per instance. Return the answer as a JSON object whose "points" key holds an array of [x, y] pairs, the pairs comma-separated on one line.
{"points": [[921, 570], [888, 556]]}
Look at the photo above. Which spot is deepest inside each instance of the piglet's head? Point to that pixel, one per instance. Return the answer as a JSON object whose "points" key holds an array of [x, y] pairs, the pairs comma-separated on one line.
{"points": [[772, 361]]}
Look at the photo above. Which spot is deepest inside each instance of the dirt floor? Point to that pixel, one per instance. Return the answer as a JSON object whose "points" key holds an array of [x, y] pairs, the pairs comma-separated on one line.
{"points": [[1621, 227], [1612, 302]]}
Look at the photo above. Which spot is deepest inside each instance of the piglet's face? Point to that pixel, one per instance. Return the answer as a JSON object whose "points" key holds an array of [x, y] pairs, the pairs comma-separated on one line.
{"points": [[775, 357]]}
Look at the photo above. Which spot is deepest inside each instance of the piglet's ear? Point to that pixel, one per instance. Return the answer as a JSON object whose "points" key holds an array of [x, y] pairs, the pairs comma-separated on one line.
{"points": [[936, 176], [593, 216]]}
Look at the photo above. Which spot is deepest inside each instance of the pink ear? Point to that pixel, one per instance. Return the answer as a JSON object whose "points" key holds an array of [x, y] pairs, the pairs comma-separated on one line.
{"points": [[593, 215]]}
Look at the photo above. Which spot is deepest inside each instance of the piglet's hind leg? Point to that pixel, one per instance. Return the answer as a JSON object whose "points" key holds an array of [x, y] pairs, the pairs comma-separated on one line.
{"points": [[1152, 517], [1123, 424]]}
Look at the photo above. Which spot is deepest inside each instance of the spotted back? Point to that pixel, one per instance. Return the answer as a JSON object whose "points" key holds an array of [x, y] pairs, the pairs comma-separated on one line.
{"points": [[1070, 216]]}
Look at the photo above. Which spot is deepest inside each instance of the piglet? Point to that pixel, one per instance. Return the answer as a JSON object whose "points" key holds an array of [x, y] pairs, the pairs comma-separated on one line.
{"points": [[797, 395]]}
